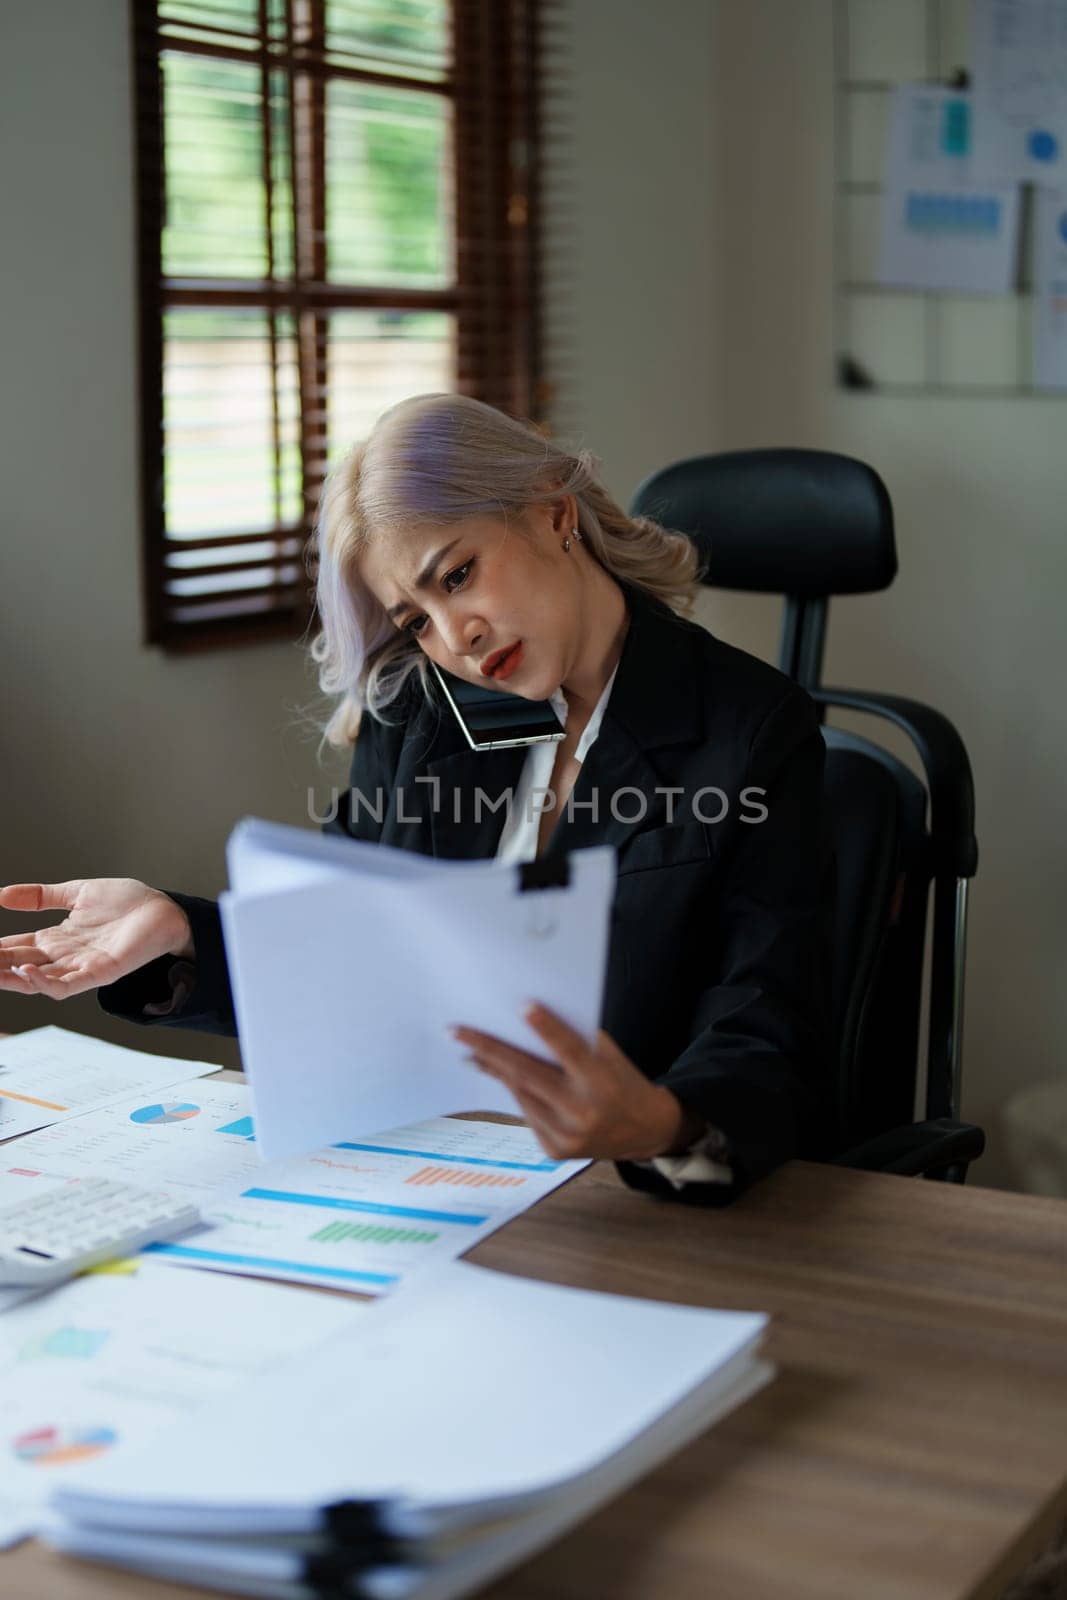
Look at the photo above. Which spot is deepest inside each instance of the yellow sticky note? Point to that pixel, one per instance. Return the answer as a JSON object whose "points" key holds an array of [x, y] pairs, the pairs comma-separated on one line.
{"points": [[124, 1266]]}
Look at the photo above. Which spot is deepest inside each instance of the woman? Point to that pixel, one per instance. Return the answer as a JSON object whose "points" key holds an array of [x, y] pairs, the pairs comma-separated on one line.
{"points": [[458, 536]]}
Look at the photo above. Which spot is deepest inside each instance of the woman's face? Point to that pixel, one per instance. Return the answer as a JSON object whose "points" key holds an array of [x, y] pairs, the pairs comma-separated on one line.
{"points": [[496, 602]]}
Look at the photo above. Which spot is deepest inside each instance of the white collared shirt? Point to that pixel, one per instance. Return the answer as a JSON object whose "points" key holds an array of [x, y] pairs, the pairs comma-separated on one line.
{"points": [[518, 843]]}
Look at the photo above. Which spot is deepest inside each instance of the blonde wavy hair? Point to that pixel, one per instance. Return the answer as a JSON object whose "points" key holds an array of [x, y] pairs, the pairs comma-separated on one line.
{"points": [[441, 458]]}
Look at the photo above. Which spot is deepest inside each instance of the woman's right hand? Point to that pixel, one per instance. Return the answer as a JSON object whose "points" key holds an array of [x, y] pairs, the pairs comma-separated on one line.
{"points": [[112, 927]]}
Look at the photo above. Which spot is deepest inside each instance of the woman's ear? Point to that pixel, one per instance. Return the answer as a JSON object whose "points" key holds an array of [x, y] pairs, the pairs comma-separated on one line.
{"points": [[564, 512]]}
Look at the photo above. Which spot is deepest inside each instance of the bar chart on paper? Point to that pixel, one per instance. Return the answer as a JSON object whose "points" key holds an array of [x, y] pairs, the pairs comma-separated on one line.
{"points": [[372, 1233], [364, 1216], [459, 1178], [328, 1238]]}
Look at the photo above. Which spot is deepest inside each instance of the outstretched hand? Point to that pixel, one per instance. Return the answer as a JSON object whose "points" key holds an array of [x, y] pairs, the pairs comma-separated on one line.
{"points": [[584, 1100], [112, 927]]}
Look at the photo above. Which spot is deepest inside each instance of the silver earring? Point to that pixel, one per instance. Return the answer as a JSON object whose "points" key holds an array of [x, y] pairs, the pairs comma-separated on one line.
{"points": [[575, 535]]}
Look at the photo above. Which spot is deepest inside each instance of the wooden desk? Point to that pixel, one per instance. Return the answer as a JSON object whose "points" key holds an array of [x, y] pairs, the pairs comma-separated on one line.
{"points": [[913, 1447]]}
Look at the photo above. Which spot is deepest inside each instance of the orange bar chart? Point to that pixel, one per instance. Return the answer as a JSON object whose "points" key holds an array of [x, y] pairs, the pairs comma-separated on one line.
{"points": [[467, 1180]]}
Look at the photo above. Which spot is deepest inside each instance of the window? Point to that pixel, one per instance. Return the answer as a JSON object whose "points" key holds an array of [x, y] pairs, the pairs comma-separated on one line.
{"points": [[337, 208]]}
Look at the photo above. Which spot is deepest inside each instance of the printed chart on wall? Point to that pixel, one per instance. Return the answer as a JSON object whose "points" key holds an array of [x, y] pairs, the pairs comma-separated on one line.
{"points": [[941, 229], [1020, 89], [362, 1216]]}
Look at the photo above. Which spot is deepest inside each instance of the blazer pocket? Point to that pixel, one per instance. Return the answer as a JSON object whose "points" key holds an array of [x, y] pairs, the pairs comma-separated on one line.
{"points": [[679, 844]]}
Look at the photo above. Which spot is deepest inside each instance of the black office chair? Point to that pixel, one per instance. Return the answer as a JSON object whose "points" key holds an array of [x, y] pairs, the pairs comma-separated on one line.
{"points": [[809, 524]]}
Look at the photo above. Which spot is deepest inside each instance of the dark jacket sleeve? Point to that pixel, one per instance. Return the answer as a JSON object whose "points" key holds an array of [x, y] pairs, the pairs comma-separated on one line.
{"points": [[178, 994], [757, 1066], [171, 993]]}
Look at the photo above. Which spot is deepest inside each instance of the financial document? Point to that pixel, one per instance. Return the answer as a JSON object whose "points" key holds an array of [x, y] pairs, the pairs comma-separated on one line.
{"points": [[194, 1140], [364, 1215], [940, 228], [471, 1385], [350, 961], [96, 1368], [50, 1074], [361, 1215], [1019, 52]]}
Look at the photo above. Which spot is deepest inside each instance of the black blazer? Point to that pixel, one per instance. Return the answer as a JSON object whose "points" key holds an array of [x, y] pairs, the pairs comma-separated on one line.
{"points": [[718, 970]]}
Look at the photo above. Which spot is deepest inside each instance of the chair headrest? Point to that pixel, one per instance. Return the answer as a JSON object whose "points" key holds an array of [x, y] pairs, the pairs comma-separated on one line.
{"points": [[795, 522]]}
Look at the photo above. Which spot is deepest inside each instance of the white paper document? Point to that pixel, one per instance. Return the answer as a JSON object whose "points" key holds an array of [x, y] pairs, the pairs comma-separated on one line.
{"points": [[346, 983], [360, 1216], [468, 1386], [940, 228], [1050, 289], [93, 1370], [366, 1214], [195, 1141], [1019, 52], [49, 1074]]}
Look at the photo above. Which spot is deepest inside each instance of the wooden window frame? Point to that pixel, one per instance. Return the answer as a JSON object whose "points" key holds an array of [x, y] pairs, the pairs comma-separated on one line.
{"points": [[495, 90]]}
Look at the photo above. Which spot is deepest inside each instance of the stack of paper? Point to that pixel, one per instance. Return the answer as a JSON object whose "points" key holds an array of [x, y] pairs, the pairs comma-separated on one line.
{"points": [[349, 962], [454, 1431], [95, 1368]]}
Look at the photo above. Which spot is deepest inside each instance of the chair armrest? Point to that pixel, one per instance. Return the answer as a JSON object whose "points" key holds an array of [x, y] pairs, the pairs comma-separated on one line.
{"points": [[919, 1148]]}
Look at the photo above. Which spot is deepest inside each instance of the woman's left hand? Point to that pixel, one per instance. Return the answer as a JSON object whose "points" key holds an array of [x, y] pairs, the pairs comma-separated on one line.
{"points": [[586, 1100]]}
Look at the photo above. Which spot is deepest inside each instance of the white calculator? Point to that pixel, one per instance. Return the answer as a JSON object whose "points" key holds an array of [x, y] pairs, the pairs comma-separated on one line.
{"points": [[54, 1235]]}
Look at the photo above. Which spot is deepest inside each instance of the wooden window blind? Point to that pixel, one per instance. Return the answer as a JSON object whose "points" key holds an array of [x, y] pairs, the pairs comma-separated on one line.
{"points": [[338, 207]]}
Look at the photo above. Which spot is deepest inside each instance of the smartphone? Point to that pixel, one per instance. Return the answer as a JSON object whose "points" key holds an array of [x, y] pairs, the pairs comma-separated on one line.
{"points": [[492, 719]]}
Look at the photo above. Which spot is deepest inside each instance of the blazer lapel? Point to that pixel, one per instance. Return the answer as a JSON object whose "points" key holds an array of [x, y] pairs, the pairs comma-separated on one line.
{"points": [[656, 702], [469, 800], [614, 795]]}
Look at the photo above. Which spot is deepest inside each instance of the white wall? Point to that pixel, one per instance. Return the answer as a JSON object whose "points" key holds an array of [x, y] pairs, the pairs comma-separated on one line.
{"points": [[632, 253], [116, 759], [974, 622]]}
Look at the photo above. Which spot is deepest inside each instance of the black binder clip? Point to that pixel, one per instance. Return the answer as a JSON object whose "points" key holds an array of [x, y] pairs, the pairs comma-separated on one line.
{"points": [[338, 1577], [354, 1521], [548, 872]]}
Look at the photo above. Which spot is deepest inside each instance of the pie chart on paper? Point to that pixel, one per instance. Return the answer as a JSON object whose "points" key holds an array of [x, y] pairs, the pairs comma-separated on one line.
{"points": [[166, 1111], [49, 1447]]}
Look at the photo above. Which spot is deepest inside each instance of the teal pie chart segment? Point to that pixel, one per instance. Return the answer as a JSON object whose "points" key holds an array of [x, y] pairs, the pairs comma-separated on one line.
{"points": [[166, 1111]]}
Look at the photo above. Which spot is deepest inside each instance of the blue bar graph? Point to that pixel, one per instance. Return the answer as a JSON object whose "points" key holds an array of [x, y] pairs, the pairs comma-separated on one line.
{"points": [[437, 1155], [229, 1258], [373, 1207]]}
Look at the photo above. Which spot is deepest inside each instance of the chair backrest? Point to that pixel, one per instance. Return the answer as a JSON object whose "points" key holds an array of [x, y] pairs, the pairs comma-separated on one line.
{"points": [[876, 817], [808, 525]]}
